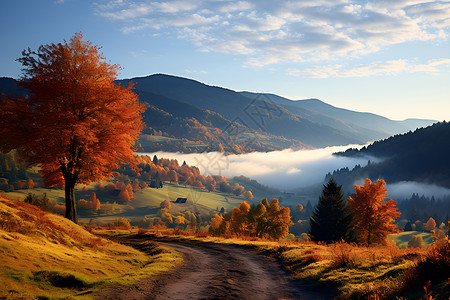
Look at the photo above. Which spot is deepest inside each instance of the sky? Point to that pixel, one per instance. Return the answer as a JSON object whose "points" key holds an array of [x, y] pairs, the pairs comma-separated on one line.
{"points": [[386, 57]]}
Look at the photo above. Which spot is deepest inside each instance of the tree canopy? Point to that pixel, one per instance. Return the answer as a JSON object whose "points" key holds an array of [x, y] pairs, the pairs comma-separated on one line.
{"points": [[373, 216], [77, 124]]}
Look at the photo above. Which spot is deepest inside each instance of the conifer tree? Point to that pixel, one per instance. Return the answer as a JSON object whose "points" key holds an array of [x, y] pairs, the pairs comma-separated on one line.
{"points": [[331, 219]]}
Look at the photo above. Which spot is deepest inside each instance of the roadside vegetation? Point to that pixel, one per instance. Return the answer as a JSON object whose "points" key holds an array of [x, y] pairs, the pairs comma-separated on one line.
{"points": [[350, 270]]}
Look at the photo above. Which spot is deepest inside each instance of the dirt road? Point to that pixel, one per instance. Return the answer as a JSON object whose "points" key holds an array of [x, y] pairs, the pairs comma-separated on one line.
{"points": [[212, 271]]}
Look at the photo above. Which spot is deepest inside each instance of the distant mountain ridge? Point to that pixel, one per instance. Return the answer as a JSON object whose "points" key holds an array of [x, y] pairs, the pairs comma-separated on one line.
{"points": [[308, 122], [422, 156]]}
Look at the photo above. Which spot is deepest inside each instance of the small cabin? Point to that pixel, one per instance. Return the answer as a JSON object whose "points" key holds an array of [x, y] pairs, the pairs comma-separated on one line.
{"points": [[181, 200]]}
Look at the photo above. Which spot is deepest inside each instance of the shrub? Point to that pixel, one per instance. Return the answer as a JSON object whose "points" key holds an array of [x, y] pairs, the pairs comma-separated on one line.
{"points": [[121, 223], [434, 264], [166, 204], [341, 255], [416, 242]]}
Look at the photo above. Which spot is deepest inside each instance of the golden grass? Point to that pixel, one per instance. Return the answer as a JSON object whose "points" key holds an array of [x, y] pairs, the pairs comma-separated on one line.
{"points": [[46, 255]]}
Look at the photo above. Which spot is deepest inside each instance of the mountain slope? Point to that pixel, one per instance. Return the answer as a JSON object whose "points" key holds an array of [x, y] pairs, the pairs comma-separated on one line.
{"points": [[365, 125], [420, 156], [256, 114]]}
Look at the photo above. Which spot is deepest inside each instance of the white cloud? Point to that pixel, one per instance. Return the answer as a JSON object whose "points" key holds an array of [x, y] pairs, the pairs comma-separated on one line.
{"points": [[270, 32], [387, 68], [235, 6]]}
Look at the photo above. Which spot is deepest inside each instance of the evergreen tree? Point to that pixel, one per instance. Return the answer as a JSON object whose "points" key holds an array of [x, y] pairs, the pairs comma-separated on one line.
{"points": [[331, 219], [408, 227]]}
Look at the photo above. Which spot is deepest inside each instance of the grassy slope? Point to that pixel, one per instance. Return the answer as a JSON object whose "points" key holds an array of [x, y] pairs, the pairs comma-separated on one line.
{"points": [[146, 202], [40, 251], [402, 239]]}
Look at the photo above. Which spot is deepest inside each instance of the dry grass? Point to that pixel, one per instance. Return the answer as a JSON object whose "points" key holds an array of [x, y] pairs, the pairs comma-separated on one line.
{"points": [[46, 255]]}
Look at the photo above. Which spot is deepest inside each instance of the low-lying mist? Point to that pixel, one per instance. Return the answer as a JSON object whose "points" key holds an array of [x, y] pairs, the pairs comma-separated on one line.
{"points": [[405, 189], [285, 170]]}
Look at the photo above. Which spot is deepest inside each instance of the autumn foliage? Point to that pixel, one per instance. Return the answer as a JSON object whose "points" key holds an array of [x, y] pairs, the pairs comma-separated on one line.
{"points": [[373, 216], [78, 125], [263, 220], [92, 204]]}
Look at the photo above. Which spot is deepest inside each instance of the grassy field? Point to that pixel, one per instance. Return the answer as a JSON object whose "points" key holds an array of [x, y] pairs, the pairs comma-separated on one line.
{"points": [[146, 202], [43, 255], [402, 239]]}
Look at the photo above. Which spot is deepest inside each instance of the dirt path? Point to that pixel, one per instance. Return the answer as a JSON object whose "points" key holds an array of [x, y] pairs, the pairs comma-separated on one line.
{"points": [[212, 271]]}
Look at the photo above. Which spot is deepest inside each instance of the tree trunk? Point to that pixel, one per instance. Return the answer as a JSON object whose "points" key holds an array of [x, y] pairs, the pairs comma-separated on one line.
{"points": [[71, 211]]}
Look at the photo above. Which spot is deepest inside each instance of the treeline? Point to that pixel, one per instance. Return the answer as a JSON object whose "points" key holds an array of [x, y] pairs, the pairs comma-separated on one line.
{"points": [[162, 169], [420, 156], [421, 208], [414, 208]]}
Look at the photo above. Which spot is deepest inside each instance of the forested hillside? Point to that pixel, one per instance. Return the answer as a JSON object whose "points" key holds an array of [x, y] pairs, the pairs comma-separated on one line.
{"points": [[420, 156]]}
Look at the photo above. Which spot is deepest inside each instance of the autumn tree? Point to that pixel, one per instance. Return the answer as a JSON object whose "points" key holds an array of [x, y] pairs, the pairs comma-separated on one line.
{"points": [[248, 195], [430, 225], [263, 220], [211, 187], [237, 189], [165, 204], [331, 219], [373, 216], [416, 241], [95, 202], [239, 219], [77, 124], [173, 176]]}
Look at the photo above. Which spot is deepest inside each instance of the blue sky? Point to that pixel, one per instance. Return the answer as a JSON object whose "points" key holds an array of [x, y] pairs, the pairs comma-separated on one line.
{"points": [[387, 57]]}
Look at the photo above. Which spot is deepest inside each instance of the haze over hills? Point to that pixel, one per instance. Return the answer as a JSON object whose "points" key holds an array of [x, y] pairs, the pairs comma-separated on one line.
{"points": [[419, 156], [264, 122]]}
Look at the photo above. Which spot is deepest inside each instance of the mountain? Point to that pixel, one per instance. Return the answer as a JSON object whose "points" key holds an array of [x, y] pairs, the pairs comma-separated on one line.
{"points": [[421, 156], [256, 114], [268, 120], [365, 125]]}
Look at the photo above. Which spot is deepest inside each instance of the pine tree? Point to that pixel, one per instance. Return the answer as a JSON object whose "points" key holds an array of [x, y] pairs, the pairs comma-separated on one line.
{"points": [[331, 219]]}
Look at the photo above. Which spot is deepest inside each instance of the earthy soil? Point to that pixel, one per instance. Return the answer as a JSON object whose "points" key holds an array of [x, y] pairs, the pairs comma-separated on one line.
{"points": [[212, 271]]}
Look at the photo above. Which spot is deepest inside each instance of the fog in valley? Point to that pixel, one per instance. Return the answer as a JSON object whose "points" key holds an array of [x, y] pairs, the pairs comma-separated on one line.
{"points": [[289, 170], [404, 189], [285, 170]]}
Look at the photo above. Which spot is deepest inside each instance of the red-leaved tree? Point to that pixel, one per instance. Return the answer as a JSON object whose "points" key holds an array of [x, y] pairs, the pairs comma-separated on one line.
{"points": [[373, 216], [77, 124]]}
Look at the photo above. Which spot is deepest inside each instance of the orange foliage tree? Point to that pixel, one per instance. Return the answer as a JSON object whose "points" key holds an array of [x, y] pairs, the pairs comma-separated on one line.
{"points": [[373, 216], [263, 220], [77, 124]]}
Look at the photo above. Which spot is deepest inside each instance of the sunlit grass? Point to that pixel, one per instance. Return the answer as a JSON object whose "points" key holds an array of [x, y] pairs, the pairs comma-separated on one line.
{"points": [[402, 239], [46, 255]]}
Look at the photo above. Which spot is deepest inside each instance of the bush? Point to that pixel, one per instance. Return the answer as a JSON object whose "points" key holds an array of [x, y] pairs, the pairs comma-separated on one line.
{"points": [[42, 202], [122, 223], [166, 204], [433, 265], [416, 241]]}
